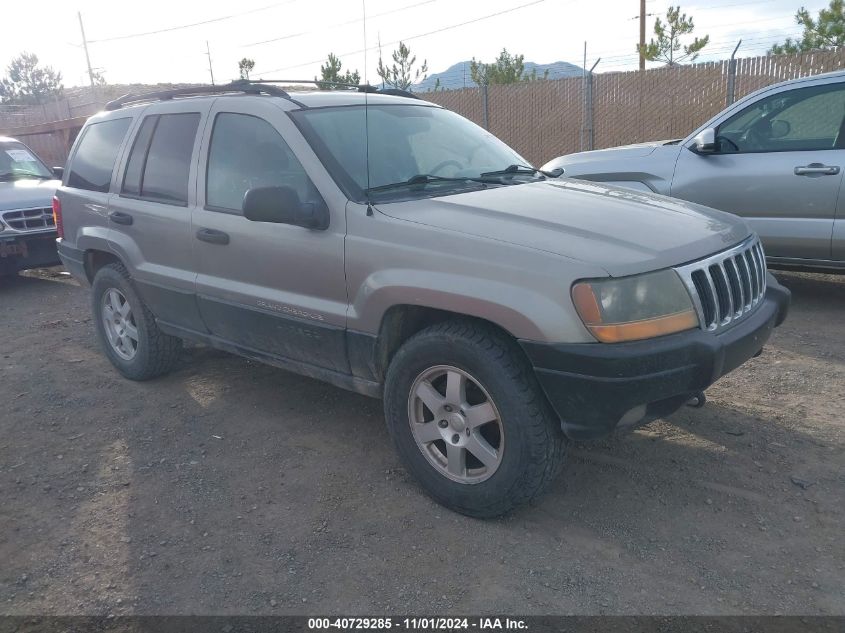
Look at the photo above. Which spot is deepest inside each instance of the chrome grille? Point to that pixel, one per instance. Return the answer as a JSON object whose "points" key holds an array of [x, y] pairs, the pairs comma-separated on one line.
{"points": [[29, 219], [728, 285]]}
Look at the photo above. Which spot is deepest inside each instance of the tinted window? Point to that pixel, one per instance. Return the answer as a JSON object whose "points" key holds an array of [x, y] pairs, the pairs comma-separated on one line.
{"points": [[798, 120], [93, 162], [168, 162], [135, 166], [248, 152]]}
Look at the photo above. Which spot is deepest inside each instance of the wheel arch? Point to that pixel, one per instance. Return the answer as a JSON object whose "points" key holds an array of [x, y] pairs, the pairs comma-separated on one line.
{"points": [[402, 321], [95, 259]]}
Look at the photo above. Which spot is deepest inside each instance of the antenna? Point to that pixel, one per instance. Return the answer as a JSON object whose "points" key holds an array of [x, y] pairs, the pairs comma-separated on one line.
{"points": [[366, 112], [364, 11]]}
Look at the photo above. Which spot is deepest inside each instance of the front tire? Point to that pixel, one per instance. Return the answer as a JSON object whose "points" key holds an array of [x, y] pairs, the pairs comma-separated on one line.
{"points": [[470, 421], [127, 329]]}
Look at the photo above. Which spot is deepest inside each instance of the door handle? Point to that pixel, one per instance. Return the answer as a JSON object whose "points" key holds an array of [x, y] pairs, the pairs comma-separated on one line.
{"points": [[120, 218], [213, 236], [816, 169]]}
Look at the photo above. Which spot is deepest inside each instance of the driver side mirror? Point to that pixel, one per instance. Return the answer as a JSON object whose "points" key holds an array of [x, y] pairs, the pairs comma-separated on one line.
{"points": [[281, 205], [705, 141], [58, 172]]}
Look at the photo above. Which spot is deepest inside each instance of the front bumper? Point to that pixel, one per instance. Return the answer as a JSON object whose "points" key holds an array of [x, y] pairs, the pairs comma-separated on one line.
{"points": [[597, 387], [19, 251]]}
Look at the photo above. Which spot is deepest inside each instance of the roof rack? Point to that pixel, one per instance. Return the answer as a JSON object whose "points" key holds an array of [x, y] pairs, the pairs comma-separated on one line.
{"points": [[317, 82], [396, 92], [248, 87]]}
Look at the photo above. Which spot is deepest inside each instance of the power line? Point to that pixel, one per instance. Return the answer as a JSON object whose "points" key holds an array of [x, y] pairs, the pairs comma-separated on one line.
{"points": [[413, 37], [617, 59], [187, 26], [736, 4], [339, 24], [776, 34]]}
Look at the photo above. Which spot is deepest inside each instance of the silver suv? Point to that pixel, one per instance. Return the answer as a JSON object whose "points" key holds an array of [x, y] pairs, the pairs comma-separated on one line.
{"points": [[775, 157], [389, 246]]}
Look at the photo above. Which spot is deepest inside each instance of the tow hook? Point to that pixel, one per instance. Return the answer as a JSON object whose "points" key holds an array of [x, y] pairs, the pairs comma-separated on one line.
{"points": [[697, 401]]}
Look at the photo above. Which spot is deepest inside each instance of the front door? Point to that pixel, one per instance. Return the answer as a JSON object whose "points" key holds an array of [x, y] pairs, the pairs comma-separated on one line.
{"points": [[779, 164], [274, 289]]}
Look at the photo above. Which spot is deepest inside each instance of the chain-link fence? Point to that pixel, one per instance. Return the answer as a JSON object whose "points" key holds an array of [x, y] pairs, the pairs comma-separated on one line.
{"points": [[540, 119], [544, 119], [51, 127]]}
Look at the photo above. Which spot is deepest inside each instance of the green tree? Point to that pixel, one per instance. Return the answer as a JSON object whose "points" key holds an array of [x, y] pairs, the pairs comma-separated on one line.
{"points": [[245, 67], [401, 74], [99, 78], [27, 83], [826, 31], [505, 69], [330, 73], [667, 47]]}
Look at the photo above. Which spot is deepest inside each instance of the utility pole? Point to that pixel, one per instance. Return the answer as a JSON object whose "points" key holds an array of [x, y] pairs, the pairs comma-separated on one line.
{"points": [[85, 46], [642, 34], [210, 70]]}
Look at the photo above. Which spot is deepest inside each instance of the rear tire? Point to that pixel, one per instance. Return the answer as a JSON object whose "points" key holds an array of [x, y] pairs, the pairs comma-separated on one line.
{"points": [[127, 329], [440, 387]]}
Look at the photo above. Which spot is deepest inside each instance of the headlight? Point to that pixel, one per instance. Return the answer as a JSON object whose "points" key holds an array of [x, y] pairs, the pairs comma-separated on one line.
{"points": [[633, 308]]}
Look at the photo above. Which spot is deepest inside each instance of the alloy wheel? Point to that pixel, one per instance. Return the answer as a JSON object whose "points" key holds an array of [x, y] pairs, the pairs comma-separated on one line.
{"points": [[456, 424]]}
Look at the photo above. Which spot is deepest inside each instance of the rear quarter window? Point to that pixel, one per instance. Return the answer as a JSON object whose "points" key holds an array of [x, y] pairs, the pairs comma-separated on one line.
{"points": [[93, 162]]}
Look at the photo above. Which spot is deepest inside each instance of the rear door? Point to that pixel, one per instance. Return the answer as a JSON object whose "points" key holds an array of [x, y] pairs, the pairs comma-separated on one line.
{"points": [[150, 219], [275, 289], [779, 165]]}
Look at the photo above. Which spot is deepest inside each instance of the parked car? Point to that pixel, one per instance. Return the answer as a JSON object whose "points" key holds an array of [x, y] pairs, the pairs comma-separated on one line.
{"points": [[775, 158], [27, 230], [388, 246]]}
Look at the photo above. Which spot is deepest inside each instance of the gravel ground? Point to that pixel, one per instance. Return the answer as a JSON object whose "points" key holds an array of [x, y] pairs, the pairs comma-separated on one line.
{"points": [[230, 487]]}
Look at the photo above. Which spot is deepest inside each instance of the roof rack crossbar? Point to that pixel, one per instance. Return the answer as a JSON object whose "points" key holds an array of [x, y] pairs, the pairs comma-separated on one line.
{"points": [[164, 95]]}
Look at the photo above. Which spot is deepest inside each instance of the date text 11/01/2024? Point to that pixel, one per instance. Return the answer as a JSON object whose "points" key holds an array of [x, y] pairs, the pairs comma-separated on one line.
{"points": [[418, 624]]}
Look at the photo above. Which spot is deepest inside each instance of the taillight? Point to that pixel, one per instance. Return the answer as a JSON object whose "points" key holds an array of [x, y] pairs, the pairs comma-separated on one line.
{"points": [[57, 216]]}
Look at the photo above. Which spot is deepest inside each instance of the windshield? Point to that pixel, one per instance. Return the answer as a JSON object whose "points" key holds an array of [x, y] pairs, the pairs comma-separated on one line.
{"points": [[407, 143], [18, 162]]}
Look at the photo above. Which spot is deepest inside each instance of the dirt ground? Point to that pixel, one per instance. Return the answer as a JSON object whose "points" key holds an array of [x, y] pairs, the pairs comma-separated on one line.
{"points": [[230, 487]]}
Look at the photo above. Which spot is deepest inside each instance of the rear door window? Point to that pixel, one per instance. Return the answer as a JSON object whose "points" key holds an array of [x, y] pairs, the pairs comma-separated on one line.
{"points": [[160, 161], [93, 162]]}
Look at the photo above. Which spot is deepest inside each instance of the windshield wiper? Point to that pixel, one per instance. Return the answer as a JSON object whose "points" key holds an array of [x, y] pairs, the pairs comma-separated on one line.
{"points": [[419, 179], [19, 174], [522, 169]]}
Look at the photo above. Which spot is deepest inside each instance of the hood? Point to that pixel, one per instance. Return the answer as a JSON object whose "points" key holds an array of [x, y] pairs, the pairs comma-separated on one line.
{"points": [[27, 194], [620, 230], [637, 150]]}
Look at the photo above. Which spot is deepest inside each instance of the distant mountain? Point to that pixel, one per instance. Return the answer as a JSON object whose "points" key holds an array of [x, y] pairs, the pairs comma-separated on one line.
{"points": [[458, 75]]}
